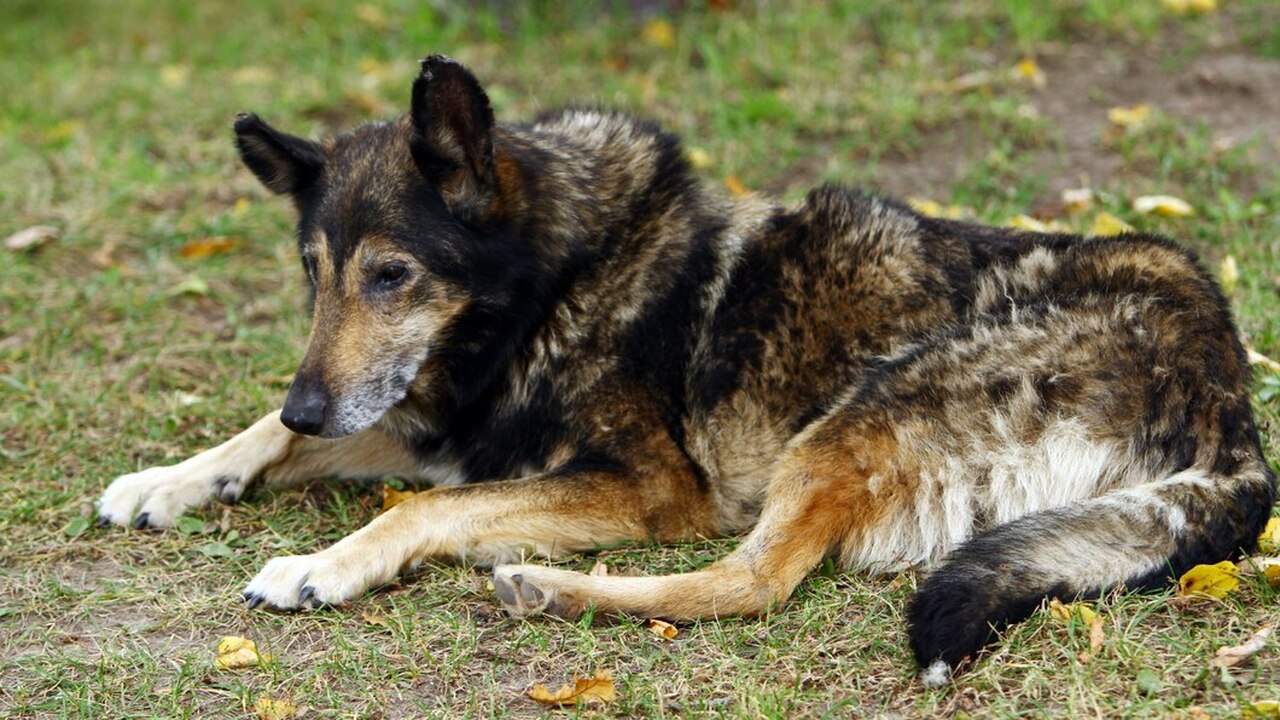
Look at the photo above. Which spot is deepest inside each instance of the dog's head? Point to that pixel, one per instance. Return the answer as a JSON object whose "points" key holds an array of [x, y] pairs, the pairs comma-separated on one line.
{"points": [[386, 213]]}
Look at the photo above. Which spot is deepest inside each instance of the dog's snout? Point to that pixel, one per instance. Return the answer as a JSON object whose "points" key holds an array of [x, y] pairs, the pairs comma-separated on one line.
{"points": [[305, 406]]}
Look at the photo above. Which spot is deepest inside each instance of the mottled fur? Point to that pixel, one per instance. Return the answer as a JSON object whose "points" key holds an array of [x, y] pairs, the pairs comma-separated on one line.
{"points": [[557, 326]]}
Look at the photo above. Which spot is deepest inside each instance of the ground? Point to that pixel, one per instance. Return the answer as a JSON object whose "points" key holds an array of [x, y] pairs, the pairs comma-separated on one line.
{"points": [[120, 350]]}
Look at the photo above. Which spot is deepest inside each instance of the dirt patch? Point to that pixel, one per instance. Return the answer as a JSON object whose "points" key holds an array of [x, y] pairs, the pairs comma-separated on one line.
{"points": [[1235, 95]]}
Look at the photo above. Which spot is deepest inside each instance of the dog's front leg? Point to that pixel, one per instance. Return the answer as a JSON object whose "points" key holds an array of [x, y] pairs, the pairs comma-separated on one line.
{"points": [[269, 451], [487, 524]]}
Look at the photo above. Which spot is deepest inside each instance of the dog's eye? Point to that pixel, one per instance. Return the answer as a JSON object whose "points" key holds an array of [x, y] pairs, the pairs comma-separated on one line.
{"points": [[392, 275]]}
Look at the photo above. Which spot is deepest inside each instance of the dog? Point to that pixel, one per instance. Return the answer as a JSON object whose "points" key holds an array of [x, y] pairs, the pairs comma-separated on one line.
{"points": [[576, 344]]}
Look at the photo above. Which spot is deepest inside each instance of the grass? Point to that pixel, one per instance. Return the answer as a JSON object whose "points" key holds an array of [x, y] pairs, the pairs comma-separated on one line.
{"points": [[117, 353]]}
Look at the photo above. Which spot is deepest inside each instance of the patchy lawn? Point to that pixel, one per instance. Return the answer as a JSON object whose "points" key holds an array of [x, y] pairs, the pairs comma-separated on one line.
{"points": [[119, 351]]}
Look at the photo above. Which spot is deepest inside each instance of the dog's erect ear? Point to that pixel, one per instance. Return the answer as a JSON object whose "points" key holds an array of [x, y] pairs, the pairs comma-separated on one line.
{"points": [[284, 163], [453, 140]]}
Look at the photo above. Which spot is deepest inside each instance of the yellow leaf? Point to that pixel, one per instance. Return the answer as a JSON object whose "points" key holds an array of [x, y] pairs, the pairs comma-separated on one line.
{"points": [[392, 497], [271, 709], [1190, 7], [1268, 709], [1026, 222], [583, 691], [1228, 273], [1105, 225], [932, 208], [1269, 540], [1209, 580], [1077, 200], [663, 629], [371, 15], [700, 159], [252, 75], [1027, 70], [1096, 635], [201, 248], [241, 206], [236, 652], [32, 237], [1129, 118], [1166, 205], [1059, 610], [174, 76], [735, 186], [372, 619], [660, 33], [61, 132]]}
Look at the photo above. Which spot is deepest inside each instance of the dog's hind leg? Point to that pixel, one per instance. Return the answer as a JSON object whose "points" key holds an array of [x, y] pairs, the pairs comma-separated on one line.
{"points": [[267, 451], [820, 498]]}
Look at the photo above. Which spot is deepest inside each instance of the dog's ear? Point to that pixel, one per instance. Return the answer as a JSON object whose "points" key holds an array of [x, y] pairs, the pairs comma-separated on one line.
{"points": [[284, 163], [453, 134]]}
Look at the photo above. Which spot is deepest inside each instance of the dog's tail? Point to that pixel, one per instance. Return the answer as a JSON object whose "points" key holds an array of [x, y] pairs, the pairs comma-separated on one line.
{"points": [[1139, 537]]}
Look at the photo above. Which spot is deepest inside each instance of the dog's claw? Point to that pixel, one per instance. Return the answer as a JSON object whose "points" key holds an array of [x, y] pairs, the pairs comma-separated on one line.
{"points": [[307, 597], [252, 600], [103, 521], [142, 522]]}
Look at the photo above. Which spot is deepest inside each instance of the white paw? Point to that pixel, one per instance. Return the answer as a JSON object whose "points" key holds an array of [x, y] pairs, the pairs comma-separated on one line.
{"points": [[155, 497], [294, 582]]}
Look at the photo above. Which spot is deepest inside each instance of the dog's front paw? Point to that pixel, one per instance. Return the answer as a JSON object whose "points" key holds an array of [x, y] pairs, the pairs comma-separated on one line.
{"points": [[531, 589], [155, 497], [296, 582]]}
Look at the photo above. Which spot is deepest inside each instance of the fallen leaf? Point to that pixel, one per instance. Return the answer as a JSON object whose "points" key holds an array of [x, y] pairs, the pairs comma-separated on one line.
{"points": [[1059, 610], [1030, 224], [932, 208], [700, 159], [659, 32], [1028, 71], [1269, 540], [583, 691], [1096, 635], [174, 76], [76, 527], [235, 652], [392, 497], [663, 629], [272, 709], [1149, 682], [1227, 657], [1129, 118], [1077, 200], [372, 619], [1228, 273], [1166, 205], [1269, 709], [1190, 7], [191, 286], [735, 186], [371, 15], [1209, 580], [599, 570], [1105, 225], [30, 238], [252, 75]]}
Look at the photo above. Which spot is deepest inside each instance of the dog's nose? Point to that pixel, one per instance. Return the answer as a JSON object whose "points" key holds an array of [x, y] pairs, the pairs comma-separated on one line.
{"points": [[304, 408]]}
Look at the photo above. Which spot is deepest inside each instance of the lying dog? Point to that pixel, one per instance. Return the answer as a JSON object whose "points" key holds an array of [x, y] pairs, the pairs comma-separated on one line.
{"points": [[577, 345]]}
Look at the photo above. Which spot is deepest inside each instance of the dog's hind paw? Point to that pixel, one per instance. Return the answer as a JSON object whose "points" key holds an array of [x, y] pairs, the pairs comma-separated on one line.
{"points": [[532, 589]]}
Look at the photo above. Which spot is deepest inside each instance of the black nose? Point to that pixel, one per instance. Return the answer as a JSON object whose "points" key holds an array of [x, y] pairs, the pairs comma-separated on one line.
{"points": [[304, 407]]}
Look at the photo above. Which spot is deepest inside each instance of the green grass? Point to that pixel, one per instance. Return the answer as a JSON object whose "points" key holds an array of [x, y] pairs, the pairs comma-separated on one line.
{"points": [[115, 129]]}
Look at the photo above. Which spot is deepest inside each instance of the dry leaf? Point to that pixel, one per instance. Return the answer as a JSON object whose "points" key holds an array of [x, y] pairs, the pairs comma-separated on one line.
{"points": [[1096, 635], [207, 247], [735, 186], [271, 709], [663, 629], [1269, 709], [700, 159], [1228, 273], [1190, 7], [1030, 224], [1105, 225], [392, 497], [1027, 70], [252, 75], [1129, 118], [372, 619], [193, 285], [1059, 610], [599, 569], [1257, 358], [1228, 657], [1269, 540], [931, 208], [236, 652], [174, 76], [660, 33], [583, 691], [32, 237], [1209, 580], [371, 15], [1166, 205], [1077, 200]]}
